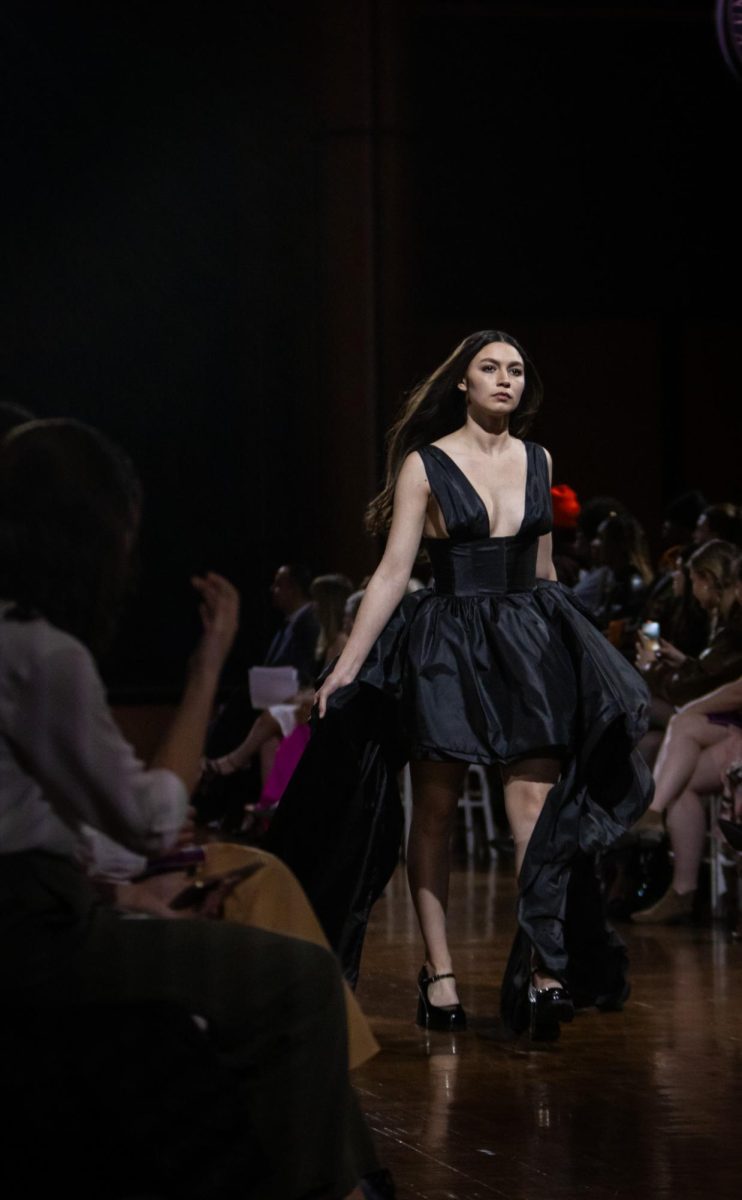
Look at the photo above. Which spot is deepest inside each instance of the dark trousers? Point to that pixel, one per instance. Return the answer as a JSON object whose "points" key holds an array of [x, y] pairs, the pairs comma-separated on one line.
{"points": [[273, 1055]]}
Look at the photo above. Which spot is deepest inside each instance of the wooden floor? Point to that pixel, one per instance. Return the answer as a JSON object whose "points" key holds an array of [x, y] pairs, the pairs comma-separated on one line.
{"points": [[641, 1104]]}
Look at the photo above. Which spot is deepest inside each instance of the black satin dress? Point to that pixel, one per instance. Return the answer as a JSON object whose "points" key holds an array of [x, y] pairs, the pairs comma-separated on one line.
{"points": [[488, 665]]}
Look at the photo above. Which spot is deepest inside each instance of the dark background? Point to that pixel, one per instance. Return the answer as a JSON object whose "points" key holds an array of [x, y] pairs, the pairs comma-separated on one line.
{"points": [[232, 239]]}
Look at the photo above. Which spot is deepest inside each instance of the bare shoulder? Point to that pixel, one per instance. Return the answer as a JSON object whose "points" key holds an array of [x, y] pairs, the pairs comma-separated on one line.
{"points": [[412, 473], [549, 460]]}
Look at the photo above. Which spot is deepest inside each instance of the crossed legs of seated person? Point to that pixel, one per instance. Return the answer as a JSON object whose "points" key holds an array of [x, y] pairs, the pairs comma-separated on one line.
{"points": [[689, 767], [274, 1007]]}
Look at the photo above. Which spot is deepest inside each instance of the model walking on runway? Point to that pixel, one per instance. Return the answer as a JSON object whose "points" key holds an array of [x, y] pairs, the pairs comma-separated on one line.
{"points": [[495, 663]]}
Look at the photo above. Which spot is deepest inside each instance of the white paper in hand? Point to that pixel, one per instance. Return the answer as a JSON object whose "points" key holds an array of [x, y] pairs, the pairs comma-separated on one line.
{"points": [[272, 685]]}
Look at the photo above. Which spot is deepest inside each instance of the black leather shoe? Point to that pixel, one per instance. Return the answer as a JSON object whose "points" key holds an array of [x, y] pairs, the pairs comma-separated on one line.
{"points": [[548, 1007], [446, 1018]]}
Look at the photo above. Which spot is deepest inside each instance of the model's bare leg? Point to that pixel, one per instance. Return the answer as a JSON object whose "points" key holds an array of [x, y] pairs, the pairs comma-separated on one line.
{"points": [[436, 788], [527, 784]]}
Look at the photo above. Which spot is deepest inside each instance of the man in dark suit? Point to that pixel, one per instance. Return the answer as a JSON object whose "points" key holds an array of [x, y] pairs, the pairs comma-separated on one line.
{"points": [[295, 642]]}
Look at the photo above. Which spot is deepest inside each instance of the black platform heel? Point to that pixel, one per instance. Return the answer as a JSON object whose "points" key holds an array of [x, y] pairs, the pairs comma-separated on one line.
{"points": [[447, 1018], [548, 1007]]}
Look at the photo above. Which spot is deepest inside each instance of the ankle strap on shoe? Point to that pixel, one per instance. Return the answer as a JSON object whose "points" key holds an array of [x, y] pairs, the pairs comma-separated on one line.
{"points": [[445, 975]]}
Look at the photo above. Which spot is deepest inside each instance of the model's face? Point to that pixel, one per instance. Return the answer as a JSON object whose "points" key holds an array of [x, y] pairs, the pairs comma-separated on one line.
{"points": [[494, 380]]}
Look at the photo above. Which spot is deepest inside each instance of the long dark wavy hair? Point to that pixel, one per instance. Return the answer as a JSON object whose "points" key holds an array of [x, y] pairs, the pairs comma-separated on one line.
{"points": [[437, 406], [69, 510]]}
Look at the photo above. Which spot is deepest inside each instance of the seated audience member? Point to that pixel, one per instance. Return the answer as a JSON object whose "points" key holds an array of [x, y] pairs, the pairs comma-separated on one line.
{"points": [[293, 645], [272, 1005], [329, 594], [683, 623], [677, 677], [566, 508], [703, 741], [292, 746], [295, 642], [719, 522], [682, 620], [620, 545], [676, 538], [594, 573]]}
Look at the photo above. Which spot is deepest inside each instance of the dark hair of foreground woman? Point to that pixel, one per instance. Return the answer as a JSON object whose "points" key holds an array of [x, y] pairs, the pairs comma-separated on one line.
{"points": [[69, 508], [105, 1065]]}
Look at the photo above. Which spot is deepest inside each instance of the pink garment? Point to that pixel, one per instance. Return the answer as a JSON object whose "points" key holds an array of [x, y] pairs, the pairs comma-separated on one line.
{"points": [[287, 756]]}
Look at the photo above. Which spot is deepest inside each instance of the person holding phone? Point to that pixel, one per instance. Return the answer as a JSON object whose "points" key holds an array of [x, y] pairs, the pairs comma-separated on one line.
{"points": [[272, 1005]]}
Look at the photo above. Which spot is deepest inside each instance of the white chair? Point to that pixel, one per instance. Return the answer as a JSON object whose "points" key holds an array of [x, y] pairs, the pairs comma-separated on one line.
{"points": [[475, 795]]}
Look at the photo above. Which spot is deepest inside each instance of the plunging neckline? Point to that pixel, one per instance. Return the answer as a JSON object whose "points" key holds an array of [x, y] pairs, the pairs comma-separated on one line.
{"points": [[508, 537]]}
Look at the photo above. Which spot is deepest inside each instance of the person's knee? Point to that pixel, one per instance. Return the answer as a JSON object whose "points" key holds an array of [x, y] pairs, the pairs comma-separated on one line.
{"points": [[686, 725], [525, 802]]}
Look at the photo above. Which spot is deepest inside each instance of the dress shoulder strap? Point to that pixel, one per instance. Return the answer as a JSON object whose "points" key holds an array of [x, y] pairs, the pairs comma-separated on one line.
{"points": [[463, 512]]}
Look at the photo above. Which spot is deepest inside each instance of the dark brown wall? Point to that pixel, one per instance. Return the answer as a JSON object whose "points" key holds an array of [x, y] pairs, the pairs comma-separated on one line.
{"points": [[564, 172], [234, 242]]}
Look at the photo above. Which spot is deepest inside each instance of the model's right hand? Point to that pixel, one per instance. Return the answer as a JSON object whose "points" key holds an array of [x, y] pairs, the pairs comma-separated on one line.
{"points": [[337, 679]]}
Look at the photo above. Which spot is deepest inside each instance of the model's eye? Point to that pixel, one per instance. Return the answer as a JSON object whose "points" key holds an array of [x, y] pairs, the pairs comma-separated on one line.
{"points": [[489, 368], [516, 370]]}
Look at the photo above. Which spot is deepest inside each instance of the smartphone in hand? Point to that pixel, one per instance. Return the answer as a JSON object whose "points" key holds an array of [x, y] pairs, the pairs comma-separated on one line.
{"points": [[650, 632]]}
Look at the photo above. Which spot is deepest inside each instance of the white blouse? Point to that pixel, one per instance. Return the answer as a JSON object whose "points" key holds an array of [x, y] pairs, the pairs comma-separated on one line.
{"points": [[69, 782]]}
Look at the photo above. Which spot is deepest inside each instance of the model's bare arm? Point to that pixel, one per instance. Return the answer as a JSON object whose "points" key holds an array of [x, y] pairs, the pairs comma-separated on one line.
{"points": [[544, 562], [387, 585]]}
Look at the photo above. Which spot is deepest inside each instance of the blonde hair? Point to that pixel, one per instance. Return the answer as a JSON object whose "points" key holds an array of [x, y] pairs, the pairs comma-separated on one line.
{"points": [[329, 593], [716, 560]]}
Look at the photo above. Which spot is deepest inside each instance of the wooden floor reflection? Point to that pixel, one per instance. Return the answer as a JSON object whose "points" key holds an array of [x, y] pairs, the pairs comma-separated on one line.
{"points": [[641, 1104]]}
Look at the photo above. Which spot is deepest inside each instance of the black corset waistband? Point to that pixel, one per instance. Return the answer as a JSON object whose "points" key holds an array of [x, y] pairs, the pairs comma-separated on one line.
{"points": [[481, 568]]}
